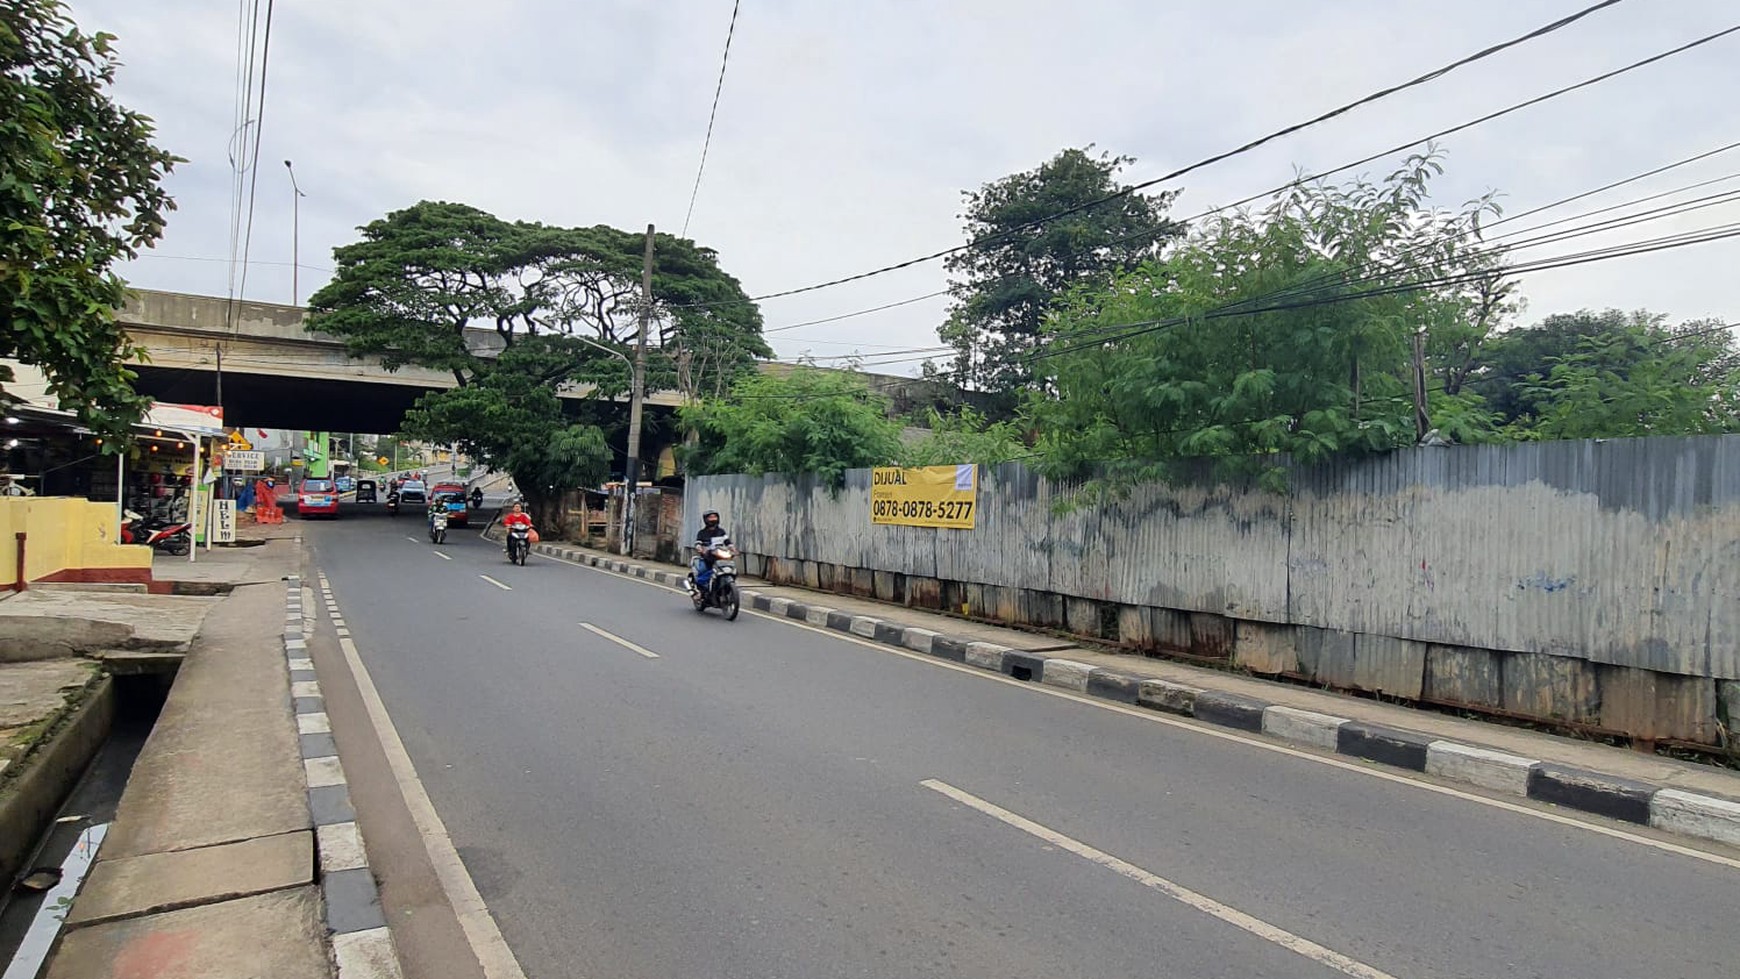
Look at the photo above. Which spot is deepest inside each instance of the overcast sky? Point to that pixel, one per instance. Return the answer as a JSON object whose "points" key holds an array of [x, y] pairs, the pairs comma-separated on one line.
{"points": [[847, 131]]}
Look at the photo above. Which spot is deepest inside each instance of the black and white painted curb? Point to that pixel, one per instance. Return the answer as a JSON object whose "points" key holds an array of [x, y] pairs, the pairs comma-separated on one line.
{"points": [[362, 947], [1671, 810]]}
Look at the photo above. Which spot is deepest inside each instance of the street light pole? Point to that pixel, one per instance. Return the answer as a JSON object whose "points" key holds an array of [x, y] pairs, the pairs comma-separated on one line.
{"points": [[637, 395], [295, 235]]}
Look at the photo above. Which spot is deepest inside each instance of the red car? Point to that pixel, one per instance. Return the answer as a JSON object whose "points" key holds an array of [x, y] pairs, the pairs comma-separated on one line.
{"points": [[459, 516], [317, 497]]}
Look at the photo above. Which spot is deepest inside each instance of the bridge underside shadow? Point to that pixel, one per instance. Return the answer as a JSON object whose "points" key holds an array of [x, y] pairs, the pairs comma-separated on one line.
{"points": [[298, 403]]}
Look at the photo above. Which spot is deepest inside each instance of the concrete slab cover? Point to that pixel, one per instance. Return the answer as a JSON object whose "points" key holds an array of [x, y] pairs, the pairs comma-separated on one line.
{"points": [[153, 620], [32, 692], [222, 763], [278, 934], [132, 886]]}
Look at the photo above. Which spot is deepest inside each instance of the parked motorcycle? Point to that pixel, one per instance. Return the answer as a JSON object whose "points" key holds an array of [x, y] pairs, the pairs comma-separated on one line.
{"points": [[519, 542], [169, 536], [716, 584], [438, 527]]}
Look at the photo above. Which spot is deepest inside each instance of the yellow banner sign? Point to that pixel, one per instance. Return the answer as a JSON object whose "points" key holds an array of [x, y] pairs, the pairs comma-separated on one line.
{"points": [[933, 496]]}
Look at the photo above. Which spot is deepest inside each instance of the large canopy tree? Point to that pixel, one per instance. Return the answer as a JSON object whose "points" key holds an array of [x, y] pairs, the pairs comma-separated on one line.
{"points": [[517, 310], [80, 187]]}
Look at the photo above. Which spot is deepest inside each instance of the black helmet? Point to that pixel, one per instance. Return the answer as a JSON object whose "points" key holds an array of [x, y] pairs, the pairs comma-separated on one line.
{"points": [[710, 518]]}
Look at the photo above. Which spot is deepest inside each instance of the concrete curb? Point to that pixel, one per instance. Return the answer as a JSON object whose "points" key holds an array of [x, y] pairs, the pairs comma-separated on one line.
{"points": [[1690, 814], [362, 947]]}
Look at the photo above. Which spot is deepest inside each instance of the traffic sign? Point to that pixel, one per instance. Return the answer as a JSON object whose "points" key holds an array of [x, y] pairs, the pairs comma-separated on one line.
{"points": [[238, 460]]}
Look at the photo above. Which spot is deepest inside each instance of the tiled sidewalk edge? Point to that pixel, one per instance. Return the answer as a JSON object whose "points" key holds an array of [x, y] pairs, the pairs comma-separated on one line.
{"points": [[362, 947], [1671, 810]]}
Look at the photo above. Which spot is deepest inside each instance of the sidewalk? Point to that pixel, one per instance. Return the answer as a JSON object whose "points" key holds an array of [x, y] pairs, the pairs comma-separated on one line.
{"points": [[208, 869], [1701, 801]]}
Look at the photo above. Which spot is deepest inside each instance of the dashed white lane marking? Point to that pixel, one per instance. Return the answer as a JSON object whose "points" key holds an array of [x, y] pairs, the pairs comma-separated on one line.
{"points": [[496, 583], [1184, 895], [444, 557], [624, 643], [413, 539], [1152, 717]]}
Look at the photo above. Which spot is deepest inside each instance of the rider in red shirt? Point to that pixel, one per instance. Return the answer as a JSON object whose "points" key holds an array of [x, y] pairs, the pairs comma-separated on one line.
{"points": [[517, 517]]}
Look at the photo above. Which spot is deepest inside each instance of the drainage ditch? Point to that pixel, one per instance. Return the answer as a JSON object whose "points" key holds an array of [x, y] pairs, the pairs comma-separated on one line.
{"points": [[34, 904]]}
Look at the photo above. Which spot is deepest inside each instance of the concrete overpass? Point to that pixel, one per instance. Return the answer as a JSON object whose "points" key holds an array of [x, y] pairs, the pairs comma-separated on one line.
{"points": [[276, 374]]}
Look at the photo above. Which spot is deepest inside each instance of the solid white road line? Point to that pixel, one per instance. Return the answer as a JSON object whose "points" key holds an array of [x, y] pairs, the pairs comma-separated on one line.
{"points": [[1184, 895], [496, 583], [1153, 717], [480, 929], [624, 643], [1361, 768]]}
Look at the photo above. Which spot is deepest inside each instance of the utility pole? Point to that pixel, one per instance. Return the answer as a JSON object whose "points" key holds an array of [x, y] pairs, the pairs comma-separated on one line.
{"points": [[1422, 421], [637, 394], [218, 493]]}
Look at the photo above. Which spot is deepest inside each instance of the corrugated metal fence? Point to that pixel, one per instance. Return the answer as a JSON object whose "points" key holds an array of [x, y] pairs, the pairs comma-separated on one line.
{"points": [[1618, 552]]}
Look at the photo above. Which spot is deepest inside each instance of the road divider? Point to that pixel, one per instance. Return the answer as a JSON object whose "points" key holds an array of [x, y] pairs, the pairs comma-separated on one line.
{"points": [[624, 643]]}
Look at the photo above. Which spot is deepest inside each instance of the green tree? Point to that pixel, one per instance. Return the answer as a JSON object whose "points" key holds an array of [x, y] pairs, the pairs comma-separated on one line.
{"points": [[1265, 335], [802, 421], [80, 187], [965, 436], [1609, 342], [1019, 264], [517, 310], [1640, 379]]}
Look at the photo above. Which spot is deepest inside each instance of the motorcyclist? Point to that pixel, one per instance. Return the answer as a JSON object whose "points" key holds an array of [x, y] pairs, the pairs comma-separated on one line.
{"points": [[711, 530], [515, 517], [477, 497]]}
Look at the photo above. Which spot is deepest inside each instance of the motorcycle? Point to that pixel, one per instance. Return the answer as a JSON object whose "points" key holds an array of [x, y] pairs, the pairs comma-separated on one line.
{"points": [[716, 583], [171, 537], [519, 543], [438, 527], [477, 499]]}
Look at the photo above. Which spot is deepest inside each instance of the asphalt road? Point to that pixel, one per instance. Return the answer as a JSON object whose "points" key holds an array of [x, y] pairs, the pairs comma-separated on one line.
{"points": [[761, 800]]}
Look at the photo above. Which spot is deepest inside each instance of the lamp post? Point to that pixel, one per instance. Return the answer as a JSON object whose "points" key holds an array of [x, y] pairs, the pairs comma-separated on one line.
{"points": [[295, 234]]}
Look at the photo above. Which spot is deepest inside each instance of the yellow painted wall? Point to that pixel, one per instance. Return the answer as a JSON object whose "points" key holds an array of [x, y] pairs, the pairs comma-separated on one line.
{"points": [[63, 533]]}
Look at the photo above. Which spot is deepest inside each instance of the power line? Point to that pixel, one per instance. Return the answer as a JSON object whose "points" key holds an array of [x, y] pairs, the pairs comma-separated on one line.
{"points": [[1612, 185], [259, 129], [861, 312], [1253, 144], [1354, 277], [1137, 328], [708, 142], [1140, 328]]}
